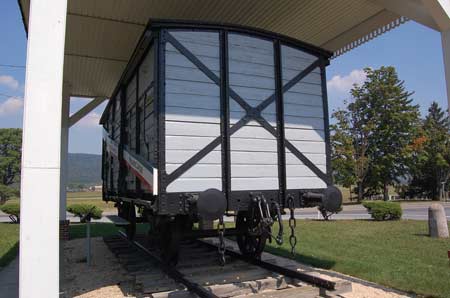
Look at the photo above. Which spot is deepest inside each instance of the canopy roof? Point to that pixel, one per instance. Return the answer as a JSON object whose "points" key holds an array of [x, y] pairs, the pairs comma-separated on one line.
{"points": [[102, 34]]}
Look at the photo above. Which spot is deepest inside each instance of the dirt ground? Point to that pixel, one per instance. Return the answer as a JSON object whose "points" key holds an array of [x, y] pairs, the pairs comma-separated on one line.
{"points": [[106, 278], [362, 291]]}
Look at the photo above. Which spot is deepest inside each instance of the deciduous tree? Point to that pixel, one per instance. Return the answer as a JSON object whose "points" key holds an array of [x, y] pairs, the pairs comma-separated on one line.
{"points": [[10, 156], [372, 137]]}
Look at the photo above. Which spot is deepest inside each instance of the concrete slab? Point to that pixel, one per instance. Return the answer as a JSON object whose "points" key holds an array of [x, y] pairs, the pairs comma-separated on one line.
{"points": [[9, 280]]}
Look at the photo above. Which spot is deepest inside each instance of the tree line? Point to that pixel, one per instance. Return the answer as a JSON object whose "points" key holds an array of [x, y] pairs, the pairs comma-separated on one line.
{"points": [[379, 140]]}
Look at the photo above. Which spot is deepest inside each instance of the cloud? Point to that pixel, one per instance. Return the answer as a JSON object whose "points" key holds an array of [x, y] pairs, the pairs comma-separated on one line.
{"points": [[90, 120], [9, 82], [343, 84], [11, 106]]}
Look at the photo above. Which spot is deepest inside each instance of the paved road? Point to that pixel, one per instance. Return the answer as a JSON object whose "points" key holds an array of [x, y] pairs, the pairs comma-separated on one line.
{"points": [[417, 211]]}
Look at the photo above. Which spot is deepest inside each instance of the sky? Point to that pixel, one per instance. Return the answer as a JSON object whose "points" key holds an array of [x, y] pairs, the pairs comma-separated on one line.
{"points": [[414, 50]]}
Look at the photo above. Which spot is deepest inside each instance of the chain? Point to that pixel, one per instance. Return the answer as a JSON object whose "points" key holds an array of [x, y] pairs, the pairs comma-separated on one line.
{"points": [[292, 225], [221, 248], [279, 237]]}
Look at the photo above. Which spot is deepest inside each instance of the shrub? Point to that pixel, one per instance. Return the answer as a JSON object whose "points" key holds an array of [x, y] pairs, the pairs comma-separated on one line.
{"points": [[82, 210], [13, 210], [7, 193], [381, 210]]}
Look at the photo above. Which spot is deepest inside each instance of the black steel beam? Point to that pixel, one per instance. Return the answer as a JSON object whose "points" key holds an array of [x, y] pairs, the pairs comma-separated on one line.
{"points": [[122, 141], [138, 129], [323, 77], [160, 100], [280, 123], [225, 115]]}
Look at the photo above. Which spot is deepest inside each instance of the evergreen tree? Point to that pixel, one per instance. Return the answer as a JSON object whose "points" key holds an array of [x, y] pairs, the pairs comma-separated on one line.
{"points": [[395, 122], [432, 157]]}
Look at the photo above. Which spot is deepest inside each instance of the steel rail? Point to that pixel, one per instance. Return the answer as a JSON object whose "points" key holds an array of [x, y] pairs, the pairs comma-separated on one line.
{"points": [[317, 281], [172, 272]]}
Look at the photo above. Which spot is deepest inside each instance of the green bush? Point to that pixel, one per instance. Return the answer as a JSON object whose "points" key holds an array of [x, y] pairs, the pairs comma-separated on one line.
{"points": [[82, 210], [13, 210], [381, 210]]}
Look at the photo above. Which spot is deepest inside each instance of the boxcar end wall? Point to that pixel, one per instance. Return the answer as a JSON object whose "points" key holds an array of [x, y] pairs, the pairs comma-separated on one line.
{"points": [[203, 106]]}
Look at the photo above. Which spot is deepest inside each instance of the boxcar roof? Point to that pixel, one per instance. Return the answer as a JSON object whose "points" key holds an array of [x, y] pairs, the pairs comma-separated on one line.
{"points": [[102, 34]]}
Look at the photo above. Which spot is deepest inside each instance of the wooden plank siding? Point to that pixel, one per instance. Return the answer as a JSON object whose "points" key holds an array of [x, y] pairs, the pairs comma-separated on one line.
{"points": [[147, 138], [139, 105], [130, 128], [254, 86], [116, 137], [303, 103], [192, 111], [193, 114]]}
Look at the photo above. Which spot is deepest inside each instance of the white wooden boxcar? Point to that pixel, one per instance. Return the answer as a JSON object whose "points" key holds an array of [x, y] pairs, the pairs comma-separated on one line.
{"points": [[207, 119]]}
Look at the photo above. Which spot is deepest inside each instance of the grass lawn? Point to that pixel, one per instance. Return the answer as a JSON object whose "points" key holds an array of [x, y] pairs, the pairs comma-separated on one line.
{"points": [[85, 195], [105, 206], [396, 254], [9, 243], [89, 197]]}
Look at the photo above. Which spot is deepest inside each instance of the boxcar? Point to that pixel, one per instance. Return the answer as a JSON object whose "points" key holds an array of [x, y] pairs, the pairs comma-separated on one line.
{"points": [[210, 120]]}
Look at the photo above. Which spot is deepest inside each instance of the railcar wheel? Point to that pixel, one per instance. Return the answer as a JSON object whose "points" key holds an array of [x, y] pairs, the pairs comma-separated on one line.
{"points": [[251, 243]]}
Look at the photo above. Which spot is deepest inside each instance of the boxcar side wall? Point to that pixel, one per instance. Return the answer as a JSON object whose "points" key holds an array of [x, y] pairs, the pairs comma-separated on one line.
{"points": [[130, 135]]}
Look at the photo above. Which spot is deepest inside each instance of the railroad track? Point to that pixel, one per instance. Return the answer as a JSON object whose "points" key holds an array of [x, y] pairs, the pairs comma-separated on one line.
{"points": [[198, 273]]}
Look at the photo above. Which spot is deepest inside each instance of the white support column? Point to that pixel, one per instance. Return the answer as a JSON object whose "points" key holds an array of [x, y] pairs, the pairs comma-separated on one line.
{"points": [[65, 114], [445, 35], [40, 189], [439, 10]]}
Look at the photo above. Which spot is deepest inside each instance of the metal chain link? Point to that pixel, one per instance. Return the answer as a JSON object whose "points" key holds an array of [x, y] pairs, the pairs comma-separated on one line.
{"points": [[292, 225], [221, 247]]}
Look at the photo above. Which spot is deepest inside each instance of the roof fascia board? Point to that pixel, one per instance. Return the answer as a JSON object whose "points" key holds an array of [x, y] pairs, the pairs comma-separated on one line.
{"points": [[363, 32], [412, 9], [440, 12]]}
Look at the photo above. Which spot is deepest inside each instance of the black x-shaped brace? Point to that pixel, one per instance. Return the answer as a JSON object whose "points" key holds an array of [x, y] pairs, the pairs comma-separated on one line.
{"points": [[252, 113]]}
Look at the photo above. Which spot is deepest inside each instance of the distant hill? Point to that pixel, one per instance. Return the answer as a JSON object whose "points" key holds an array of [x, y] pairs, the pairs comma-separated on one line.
{"points": [[84, 169]]}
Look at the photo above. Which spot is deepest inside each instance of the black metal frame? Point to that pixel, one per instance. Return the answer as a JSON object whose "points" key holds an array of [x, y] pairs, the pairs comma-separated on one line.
{"points": [[158, 34], [280, 123], [225, 115]]}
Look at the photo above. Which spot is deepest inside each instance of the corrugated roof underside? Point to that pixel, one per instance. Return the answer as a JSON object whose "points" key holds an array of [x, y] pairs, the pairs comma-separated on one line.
{"points": [[102, 34]]}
